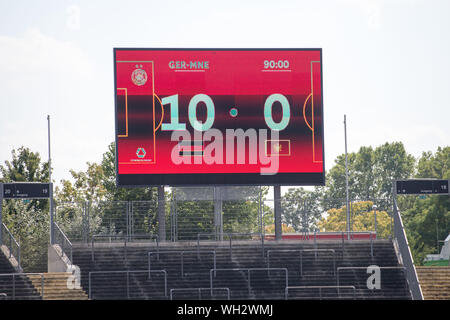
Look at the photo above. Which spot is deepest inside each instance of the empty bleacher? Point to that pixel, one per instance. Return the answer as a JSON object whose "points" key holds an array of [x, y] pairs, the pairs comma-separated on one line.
{"points": [[13, 285], [435, 282], [289, 269]]}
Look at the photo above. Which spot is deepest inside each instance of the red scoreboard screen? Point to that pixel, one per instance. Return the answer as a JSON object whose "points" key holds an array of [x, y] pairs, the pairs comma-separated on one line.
{"points": [[219, 116]]}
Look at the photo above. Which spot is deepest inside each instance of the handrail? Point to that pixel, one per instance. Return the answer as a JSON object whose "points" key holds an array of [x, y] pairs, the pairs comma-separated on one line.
{"points": [[125, 237], [248, 272], [405, 253], [66, 240], [301, 256], [181, 252], [364, 268], [127, 272], [23, 274], [315, 257], [12, 241], [230, 237], [286, 291], [284, 250], [199, 291]]}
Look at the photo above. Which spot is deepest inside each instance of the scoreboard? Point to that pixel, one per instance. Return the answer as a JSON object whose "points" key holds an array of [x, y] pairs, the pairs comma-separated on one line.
{"points": [[218, 116]]}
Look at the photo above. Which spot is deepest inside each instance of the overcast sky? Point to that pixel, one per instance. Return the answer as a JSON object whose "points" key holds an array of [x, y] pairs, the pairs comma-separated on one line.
{"points": [[385, 65]]}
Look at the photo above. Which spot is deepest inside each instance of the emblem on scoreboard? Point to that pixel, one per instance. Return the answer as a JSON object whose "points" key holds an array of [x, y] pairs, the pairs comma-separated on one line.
{"points": [[140, 153], [139, 76]]}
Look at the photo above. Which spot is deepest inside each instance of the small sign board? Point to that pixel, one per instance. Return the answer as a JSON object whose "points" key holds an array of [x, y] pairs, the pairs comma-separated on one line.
{"points": [[422, 186], [26, 190]]}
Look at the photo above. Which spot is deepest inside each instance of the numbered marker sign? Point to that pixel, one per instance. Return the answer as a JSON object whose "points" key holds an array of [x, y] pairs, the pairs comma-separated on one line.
{"points": [[219, 116], [26, 190]]}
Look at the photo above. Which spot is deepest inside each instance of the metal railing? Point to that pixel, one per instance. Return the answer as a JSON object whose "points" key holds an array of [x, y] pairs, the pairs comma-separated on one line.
{"points": [[230, 236], [14, 284], [321, 288], [346, 236], [181, 252], [11, 243], [127, 273], [339, 269], [188, 217], [198, 290], [64, 242], [125, 241], [315, 257], [301, 256], [249, 270], [285, 250], [406, 256]]}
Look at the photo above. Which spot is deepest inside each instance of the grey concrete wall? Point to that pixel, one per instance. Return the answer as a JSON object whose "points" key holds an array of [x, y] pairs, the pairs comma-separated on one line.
{"points": [[57, 260]]}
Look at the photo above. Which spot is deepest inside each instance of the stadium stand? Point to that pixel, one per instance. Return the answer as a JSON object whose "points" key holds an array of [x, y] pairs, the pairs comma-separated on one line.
{"points": [[14, 285], [287, 270], [53, 286], [435, 282]]}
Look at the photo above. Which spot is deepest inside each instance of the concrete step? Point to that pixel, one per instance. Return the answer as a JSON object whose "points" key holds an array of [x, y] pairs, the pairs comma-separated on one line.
{"points": [[56, 287], [243, 256]]}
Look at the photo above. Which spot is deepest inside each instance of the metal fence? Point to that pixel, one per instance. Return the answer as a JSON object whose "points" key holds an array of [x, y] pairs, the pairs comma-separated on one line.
{"points": [[128, 284], [63, 242], [200, 294], [186, 218], [17, 286], [11, 243], [320, 293]]}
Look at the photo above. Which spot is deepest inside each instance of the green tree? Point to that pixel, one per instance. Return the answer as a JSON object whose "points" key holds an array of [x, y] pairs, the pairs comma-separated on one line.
{"points": [[240, 208], [107, 205], [28, 221], [301, 209], [371, 173], [362, 219], [392, 162], [24, 166], [428, 220]]}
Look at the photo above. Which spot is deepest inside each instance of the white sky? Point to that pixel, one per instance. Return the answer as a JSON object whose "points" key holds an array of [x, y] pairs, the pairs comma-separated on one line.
{"points": [[385, 65]]}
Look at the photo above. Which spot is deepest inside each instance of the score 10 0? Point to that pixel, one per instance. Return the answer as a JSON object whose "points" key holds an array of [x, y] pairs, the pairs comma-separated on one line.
{"points": [[174, 123]]}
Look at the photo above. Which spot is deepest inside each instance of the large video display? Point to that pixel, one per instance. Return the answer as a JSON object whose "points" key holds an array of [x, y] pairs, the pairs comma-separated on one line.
{"points": [[219, 116]]}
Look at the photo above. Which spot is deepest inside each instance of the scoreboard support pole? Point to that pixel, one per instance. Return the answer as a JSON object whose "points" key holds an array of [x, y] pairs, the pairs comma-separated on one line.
{"points": [[277, 211], [218, 219], [161, 214]]}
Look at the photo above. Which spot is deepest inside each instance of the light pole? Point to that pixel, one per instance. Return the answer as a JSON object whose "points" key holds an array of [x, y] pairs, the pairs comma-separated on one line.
{"points": [[346, 179], [51, 185], [375, 217]]}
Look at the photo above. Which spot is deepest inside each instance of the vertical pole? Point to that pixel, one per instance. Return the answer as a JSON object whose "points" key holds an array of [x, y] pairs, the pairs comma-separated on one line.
{"points": [[346, 179], [161, 214], [437, 236], [52, 233], [375, 217], [260, 212], [49, 154], [127, 220], [88, 213], [172, 218], [52, 227], [218, 212], [277, 211]]}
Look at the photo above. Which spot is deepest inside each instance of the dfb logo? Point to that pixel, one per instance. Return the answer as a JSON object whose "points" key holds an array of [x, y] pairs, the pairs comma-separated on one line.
{"points": [[374, 280], [74, 280]]}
